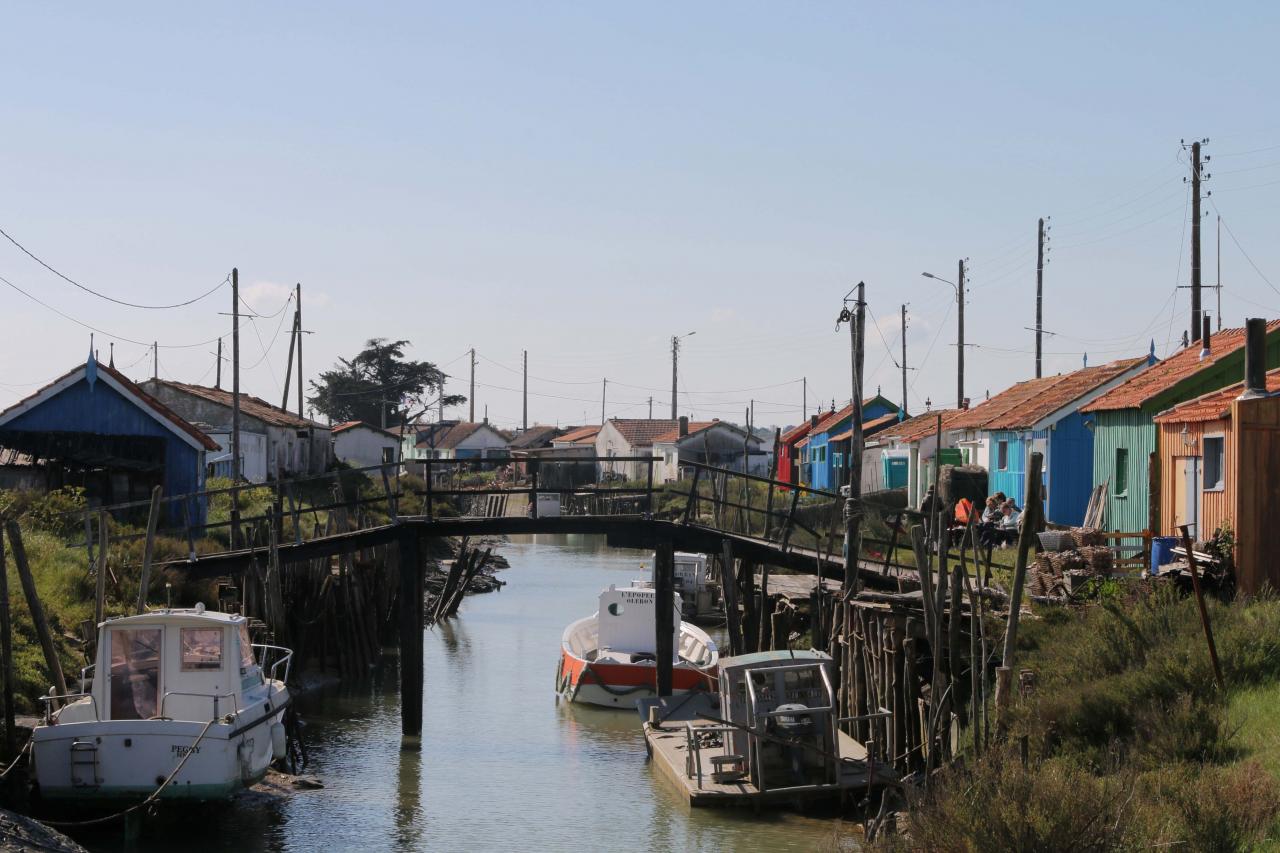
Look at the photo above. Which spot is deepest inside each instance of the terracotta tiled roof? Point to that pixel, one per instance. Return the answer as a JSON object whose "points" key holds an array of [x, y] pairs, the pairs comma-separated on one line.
{"points": [[146, 399], [1028, 402], [254, 407], [921, 426], [640, 432], [1212, 406], [695, 427], [796, 433], [446, 435], [579, 435], [1160, 377]]}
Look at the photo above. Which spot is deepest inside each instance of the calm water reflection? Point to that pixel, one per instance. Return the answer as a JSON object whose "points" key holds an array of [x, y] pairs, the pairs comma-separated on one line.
{"points": [[503, 764]]}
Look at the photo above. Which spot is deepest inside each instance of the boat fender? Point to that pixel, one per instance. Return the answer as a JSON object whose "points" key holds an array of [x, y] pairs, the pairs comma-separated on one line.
{"points": [[278, 741]]}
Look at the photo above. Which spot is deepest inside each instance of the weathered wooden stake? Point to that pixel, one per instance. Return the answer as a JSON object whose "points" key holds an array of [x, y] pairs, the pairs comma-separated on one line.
{"points": [[1033, 511], [664, 618], [100, 587], [1204, 613], [729, 590], [37, 610], [148, 548], [6, 649]]}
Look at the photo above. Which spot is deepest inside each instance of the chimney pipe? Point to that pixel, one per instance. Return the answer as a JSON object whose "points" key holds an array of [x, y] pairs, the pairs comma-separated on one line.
{"points": [[965, 404], [813, 421], [684, 426], [1255, 358], [1206, 330]]}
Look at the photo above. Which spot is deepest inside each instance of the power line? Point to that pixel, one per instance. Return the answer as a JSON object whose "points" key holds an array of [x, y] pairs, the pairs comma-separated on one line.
{"points": [[100, 295], [66, 316], [1232, 235]]}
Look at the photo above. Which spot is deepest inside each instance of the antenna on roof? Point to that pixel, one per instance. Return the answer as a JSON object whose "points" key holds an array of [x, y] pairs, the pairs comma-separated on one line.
{"points": [[1086, 356]]}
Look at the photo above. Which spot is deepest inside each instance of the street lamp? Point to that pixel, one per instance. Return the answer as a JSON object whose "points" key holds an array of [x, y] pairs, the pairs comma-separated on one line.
{"points": [[675, 373], [959, 289]]}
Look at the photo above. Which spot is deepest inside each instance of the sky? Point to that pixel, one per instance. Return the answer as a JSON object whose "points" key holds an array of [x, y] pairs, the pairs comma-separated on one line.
{"points": [[584, 181]]}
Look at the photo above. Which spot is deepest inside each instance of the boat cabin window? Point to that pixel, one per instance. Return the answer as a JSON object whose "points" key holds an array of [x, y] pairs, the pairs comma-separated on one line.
{"points": [[201, 649], [615, 609], [246, 648], [135, 673]]}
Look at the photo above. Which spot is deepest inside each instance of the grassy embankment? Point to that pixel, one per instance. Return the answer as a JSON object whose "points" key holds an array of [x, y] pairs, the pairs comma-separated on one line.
{"points": [[1132, 744]]}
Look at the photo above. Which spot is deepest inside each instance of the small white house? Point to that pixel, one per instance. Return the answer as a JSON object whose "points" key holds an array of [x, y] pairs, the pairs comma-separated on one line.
{"points": [[455, 440], [363, 445]]}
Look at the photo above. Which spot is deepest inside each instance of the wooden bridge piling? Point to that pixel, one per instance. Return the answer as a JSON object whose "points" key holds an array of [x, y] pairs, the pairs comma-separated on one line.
{"points": [[664, 621], [412, 610]]}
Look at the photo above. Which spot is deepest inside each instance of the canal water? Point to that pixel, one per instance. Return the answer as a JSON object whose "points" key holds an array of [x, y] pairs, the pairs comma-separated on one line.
{"points": [[503, 765]]}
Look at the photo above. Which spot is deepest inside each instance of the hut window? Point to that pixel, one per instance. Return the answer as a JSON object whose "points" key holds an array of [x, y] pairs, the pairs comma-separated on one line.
{"points": [[201, 649], [1122, 471], [1002, 456], [1213, 456]]}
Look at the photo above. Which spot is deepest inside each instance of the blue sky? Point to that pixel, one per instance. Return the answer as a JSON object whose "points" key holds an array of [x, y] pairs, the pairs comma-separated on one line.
{"points": [[583, 181]]}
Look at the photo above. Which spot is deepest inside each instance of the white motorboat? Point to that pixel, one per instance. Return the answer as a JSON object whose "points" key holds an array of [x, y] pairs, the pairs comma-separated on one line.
{"points": [[609, 658], [181, 693]]}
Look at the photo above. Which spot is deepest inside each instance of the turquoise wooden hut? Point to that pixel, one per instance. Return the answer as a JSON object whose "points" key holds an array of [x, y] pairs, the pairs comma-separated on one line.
{"points": [[1124, 434]]}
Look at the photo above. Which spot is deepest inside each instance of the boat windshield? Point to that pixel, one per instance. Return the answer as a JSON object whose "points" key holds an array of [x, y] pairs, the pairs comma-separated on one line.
{"points": [[135, 673]]}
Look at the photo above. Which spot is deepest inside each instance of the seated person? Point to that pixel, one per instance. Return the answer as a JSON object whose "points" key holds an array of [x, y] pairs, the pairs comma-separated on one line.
{"points": [[1006, 531], [987, 523]]}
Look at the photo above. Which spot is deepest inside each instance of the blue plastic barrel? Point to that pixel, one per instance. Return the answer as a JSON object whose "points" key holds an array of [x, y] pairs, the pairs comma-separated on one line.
{"points": [[1162, 549]]}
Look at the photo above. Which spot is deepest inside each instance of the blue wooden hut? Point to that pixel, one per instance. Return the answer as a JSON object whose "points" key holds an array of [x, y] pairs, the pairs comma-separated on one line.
{"points": [[826, 453], [94, 428], [1043, 415]]}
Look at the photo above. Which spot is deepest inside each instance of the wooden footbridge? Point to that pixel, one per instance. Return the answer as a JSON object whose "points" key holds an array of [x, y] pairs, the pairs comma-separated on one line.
{"points": [[740, 517]]}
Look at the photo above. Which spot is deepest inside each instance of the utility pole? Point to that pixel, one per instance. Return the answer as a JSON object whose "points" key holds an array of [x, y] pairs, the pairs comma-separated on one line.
{"points": [[288, 366], [218, 383], [1195, 242], [235, 406], [298, 312], [1039, 293], [853, 503], [675, 373], [472, 398], [524, 417], [904, 360], [155, 360], [960, 338], [604, 392]]}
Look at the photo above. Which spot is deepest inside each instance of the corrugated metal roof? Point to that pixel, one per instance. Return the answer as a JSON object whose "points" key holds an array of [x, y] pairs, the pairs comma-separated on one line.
{"points": [[1160, 377], [538, 435], [1026, 403], [1214, 405]]}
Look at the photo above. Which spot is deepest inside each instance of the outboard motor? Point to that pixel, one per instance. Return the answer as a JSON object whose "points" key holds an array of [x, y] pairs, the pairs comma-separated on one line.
{"points": [[797, 727]]}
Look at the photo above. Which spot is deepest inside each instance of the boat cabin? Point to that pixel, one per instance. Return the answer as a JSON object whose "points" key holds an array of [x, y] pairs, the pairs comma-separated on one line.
{"points": [[626, 618], [789, 696], [188, 664]]}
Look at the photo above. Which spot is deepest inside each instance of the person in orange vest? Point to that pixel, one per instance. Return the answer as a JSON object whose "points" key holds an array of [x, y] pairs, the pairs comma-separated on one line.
{"points": [[964, 507]]}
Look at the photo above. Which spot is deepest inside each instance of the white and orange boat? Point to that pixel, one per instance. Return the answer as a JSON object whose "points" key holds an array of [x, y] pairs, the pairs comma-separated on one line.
{"points": [[609, 658]]}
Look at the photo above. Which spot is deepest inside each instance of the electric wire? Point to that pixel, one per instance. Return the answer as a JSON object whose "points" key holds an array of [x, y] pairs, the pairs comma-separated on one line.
{"points": [[100, 295], [104, 332]]}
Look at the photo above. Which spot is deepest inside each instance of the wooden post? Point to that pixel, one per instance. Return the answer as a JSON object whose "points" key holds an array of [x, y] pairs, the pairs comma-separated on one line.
{"points": [[100, 588], [1032, 513], [1153, 508], [1204, 614], [148, 548], [765, 630], [37, 611], [426, 467], [729, 588], [649, 498], [791, 514], [664, 618], [6, 649], [411, 662], [773, 475], [693, 496], [533, 492]]}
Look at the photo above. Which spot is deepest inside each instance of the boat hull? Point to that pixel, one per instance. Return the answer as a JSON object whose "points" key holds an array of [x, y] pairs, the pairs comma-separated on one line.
{"points": [[114, 760], [616, 685]]}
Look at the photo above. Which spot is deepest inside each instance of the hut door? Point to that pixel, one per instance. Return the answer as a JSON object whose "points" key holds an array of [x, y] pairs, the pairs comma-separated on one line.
{"points": [[1186, 499]]}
